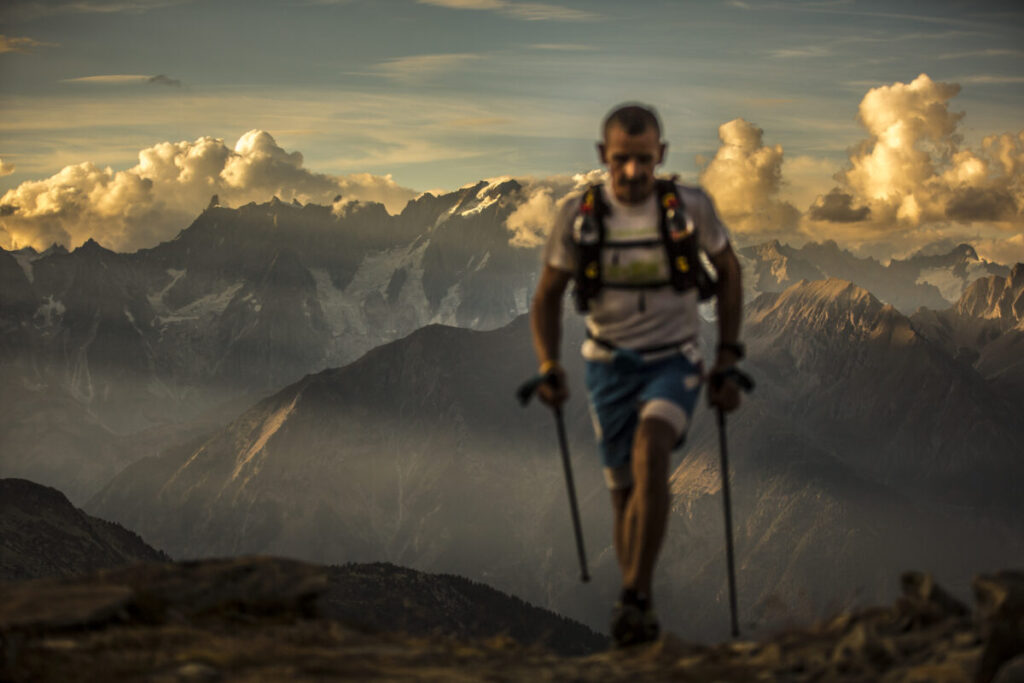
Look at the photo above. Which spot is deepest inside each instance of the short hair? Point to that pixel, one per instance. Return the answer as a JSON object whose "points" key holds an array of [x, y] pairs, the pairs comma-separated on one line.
{"points": [[633, 117]]}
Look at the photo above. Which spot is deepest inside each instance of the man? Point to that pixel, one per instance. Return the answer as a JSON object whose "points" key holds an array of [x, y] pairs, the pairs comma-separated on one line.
{"points": [[643, 367]]}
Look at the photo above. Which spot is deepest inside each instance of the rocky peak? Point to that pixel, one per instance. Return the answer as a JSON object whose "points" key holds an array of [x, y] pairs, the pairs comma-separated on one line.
{"points": [[92, 249], [54, 249], [995, 298], [966, 251], [830, 309]]}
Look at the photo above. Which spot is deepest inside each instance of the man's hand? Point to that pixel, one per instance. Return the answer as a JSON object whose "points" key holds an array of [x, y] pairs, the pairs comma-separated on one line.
{"points": [[723, 391], [554, 390]]}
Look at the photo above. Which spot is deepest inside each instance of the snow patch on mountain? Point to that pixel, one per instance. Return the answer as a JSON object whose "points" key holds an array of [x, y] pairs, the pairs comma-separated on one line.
{"points": [[448, 309], [344, 309], [50, 312], [333, 302], [209, 305], [131, 320], [157, 300], [25, 261], [952, 285], [480, 206]]}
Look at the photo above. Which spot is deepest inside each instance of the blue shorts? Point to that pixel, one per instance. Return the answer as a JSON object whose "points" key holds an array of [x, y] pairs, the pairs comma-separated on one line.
{"points": [[620, 397]]}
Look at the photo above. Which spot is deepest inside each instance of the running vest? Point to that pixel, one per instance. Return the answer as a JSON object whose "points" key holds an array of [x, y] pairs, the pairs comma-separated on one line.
{"points": [[677, 236]]}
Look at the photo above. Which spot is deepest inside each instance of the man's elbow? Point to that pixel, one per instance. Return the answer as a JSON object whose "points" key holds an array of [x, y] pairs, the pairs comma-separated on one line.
{"points": [[545, 300], [727, 266]]}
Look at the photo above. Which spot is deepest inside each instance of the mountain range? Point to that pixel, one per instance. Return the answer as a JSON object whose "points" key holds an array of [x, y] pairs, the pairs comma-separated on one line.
{"points": [[155, 379], [165, 344], [416, 454]]}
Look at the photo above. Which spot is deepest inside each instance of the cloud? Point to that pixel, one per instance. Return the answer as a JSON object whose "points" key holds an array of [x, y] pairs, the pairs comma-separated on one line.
{"points": [[992, 52], [172, 182], [6, 168], [20, 44], [801, 52], [420, 67], [531, 222], [1008, 251], [163, 79], [745, 177], [562, 47], [837, 207], [109, 79], [527, 11], [984, 79], [912, 175], [126, 79]]}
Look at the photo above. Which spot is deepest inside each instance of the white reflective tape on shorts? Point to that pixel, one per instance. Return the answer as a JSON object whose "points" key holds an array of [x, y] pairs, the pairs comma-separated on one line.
{"points": [[667, 411], [618, 478]]}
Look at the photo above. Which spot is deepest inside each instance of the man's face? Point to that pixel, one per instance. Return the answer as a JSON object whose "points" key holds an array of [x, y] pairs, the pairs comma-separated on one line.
{"points": [[631, 160]]}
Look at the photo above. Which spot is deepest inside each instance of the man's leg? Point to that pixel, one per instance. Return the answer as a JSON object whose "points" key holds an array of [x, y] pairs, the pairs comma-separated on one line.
{"points": [[645, 514], [620, 501]]}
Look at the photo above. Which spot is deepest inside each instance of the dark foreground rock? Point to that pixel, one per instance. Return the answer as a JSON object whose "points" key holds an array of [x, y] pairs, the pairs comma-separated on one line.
{"points": [[260, 619]]}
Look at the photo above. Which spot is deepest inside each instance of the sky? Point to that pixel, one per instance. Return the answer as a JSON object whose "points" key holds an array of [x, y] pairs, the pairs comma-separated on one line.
{"points": [[887, 126]]}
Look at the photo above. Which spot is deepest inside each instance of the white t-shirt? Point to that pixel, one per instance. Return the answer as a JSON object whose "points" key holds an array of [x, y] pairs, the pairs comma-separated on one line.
{"points": [[637, 318]]}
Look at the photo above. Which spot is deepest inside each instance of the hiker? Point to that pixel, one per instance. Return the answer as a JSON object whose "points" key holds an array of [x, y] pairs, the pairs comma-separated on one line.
{"points": [[630, 246]]}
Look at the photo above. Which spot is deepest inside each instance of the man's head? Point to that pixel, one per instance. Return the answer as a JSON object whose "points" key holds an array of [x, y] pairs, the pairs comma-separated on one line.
{"points": [[631, 149]]}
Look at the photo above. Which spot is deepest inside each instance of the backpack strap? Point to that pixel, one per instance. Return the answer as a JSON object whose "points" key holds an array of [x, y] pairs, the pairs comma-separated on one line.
{"points": [[680, 239], [589, 237]]}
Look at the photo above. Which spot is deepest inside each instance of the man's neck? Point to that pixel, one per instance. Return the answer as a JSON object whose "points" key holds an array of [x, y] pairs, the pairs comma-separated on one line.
{"points": [[615, 199]]}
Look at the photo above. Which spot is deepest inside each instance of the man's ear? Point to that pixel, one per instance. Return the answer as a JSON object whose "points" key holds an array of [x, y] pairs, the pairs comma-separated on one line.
{"points": [[602, 153], [662, 152]]}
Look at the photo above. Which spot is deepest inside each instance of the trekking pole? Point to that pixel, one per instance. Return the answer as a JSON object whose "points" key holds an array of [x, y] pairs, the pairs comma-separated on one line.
{"points": [[525, 393], [746, 384]]}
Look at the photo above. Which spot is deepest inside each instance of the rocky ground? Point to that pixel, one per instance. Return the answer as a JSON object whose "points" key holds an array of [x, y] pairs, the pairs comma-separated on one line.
{"points": [[263, 619]]}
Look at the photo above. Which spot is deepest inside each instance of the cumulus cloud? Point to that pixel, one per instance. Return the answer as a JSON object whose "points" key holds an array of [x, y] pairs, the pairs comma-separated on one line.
{"points": [[745, 177], [6, 168], [531, 222], [173, 181], [913, 172]]}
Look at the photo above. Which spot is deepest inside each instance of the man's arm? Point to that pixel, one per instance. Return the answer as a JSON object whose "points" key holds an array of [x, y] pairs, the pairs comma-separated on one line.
{"points": [[730, 310], [546, 326]]}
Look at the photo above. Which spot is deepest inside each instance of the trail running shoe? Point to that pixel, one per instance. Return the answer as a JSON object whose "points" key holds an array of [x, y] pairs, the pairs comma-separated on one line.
{"points": [[633, 621]]}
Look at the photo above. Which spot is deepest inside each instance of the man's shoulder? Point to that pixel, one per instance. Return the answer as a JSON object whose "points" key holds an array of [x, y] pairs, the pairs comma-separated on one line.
{"points": [[692, 194], [569, 206]]}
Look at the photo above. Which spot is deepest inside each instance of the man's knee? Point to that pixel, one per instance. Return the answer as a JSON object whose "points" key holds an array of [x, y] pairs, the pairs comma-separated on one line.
{"points": [[667, 413]]}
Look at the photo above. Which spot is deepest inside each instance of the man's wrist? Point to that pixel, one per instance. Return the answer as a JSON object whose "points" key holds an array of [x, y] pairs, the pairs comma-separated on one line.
{"points": [[729, 353], [549, 365]]}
